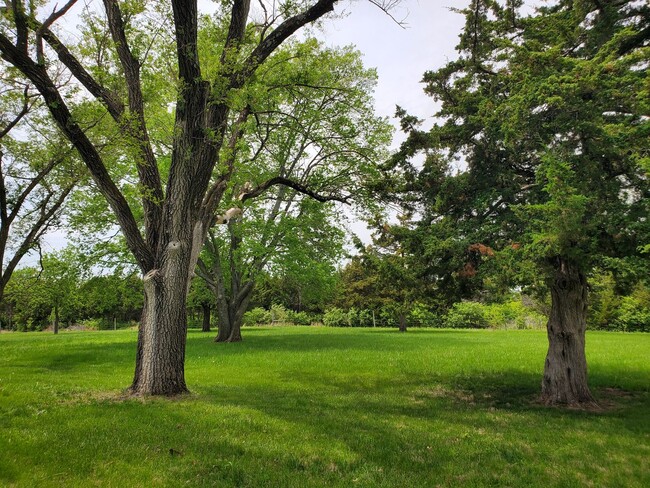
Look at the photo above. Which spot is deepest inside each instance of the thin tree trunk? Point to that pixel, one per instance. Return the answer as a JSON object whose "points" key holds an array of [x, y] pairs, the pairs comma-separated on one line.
{"points": [[206, 317], [56, 318], [402, 322], [565, 369]]}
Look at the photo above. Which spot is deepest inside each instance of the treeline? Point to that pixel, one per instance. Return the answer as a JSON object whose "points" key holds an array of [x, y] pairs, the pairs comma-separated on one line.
{"points": [[36, 300], [59, 293]]}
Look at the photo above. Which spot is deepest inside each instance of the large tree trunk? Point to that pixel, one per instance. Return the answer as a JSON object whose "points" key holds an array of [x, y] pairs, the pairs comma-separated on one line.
{"points": [[206, 317], [565, 369], [160, 355]]}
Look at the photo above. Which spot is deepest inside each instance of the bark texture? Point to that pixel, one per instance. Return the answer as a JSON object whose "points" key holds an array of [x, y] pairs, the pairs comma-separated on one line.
{"points": [[565, 369], [160, 360], [206, 317]]}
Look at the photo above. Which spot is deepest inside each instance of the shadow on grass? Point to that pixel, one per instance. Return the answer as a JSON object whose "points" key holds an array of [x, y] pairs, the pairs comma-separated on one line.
{"points": [[260, 341]]}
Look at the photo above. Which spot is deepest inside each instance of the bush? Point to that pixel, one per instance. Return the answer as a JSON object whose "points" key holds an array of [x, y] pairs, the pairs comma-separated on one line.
{"points": [[513, 315], [278, 314], [421, 316], [298, 318], [633, 315], [335, 317], [94, 324], [256, 316], [466, 315], [364, 318]]}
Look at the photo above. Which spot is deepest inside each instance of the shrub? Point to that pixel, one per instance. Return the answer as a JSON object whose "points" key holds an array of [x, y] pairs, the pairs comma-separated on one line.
{"points": [[94, 324], [256, 316], [513, 315], [364, 318], [298, 318], [387, 317], [278, 314], [335, 317], [633, 315], [421, 316], [466, 315]]}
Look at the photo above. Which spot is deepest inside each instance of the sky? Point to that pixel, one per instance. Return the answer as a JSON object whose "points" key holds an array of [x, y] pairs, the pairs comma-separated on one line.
{"points": [[401, 54]]}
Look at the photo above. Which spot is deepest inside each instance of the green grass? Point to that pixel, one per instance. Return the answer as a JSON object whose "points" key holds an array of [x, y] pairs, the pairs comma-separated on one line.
{"points": [[300, 407]]}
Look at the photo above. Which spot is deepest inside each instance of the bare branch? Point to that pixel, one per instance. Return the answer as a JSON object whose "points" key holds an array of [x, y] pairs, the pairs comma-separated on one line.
{"points": [[386, 6], [278, 36], [279, 180], [54, 16], [23, 111]]}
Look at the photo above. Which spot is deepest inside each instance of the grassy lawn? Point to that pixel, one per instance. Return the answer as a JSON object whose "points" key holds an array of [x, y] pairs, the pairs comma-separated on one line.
{"points": [[299, 407]]}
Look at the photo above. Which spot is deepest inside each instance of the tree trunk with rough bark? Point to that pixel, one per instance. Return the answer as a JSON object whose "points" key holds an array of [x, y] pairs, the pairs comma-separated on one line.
{"points": [[565, 369], [231, 316], [160, 357], [206, 317]]}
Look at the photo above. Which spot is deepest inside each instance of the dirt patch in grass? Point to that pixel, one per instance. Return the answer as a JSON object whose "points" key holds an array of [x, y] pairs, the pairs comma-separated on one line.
{"points": [[440, 391], [117, 396], [606, 400]]}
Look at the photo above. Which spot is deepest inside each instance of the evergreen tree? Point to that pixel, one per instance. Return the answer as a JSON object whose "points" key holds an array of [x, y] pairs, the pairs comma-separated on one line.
{"points": [[539, 154]]}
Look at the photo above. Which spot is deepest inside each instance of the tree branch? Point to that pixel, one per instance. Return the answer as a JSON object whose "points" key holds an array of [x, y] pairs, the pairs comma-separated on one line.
{"points": [[147, 169], [23, 111], [87, 151], [54, 16], [279, 180], [109, 99], [278, 36]]}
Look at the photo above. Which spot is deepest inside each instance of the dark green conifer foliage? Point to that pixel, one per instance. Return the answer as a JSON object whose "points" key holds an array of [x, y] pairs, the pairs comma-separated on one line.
{"points": [[540, 153]]}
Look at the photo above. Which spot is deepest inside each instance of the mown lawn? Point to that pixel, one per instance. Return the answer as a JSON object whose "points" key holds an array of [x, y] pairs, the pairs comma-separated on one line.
{"points": [[300, 407]]}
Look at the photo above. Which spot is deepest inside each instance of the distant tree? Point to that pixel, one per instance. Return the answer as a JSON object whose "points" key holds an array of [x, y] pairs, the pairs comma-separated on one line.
{"points": [[539, 156], [316, 132], [384, 276], [112, 297], [36, 176], [46, 293], [201, 296]]}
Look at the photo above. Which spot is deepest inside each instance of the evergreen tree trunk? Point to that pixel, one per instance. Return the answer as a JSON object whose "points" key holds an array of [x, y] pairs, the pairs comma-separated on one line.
{"points": [[206, 317], [565, 369]]}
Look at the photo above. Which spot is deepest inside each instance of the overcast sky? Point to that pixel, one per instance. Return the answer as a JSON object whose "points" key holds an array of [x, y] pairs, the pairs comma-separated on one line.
{"points": [[401, 55]]}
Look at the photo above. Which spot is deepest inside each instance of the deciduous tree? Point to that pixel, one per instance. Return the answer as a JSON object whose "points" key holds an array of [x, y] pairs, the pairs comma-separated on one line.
{"points": [[211, 108]]}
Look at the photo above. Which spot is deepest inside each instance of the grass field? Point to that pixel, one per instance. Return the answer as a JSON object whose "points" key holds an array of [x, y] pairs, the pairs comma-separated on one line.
{"points": [[300, 407]]}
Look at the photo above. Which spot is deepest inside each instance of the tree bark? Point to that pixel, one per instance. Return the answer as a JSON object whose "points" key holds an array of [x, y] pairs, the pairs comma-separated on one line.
{"points": [[565, 369], [231, 317], [160, 357], [206, 317]]}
